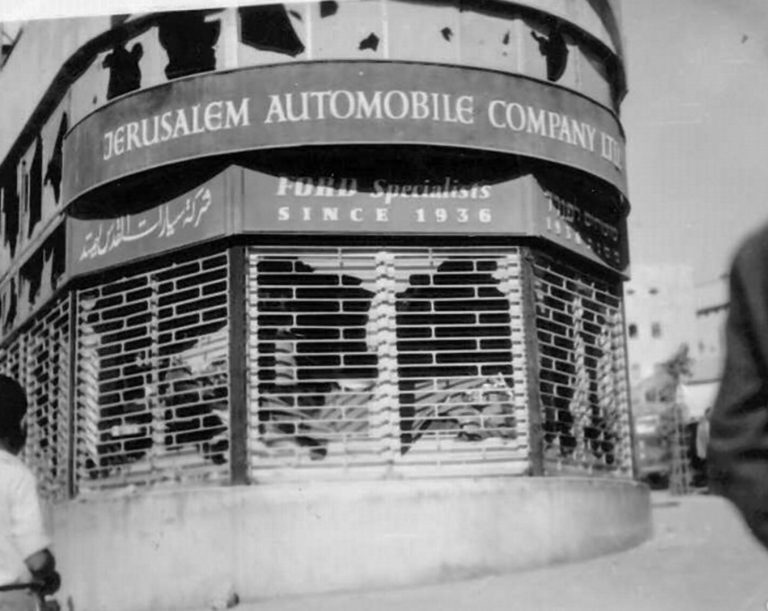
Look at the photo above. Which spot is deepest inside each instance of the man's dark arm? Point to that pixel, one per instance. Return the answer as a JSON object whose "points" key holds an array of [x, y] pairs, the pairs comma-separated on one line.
{"points": [[738, 446], [42, 565]]}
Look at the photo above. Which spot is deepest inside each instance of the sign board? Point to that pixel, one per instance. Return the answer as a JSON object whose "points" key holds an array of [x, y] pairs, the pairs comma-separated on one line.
{"points": [[247, 201], [357, 205], [335, 104], [198, 215]]}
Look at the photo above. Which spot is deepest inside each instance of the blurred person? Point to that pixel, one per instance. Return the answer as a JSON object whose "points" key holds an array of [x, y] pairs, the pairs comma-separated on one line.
{"points": [[24, 544], [738, 444], [702, 441]]}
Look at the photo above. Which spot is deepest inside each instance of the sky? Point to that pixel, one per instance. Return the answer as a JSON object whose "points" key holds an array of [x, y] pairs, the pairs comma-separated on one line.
{"points": [[695, 119]]}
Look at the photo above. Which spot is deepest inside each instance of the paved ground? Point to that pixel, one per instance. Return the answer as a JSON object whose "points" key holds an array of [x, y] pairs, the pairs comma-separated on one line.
{"points": [[700, 558]]}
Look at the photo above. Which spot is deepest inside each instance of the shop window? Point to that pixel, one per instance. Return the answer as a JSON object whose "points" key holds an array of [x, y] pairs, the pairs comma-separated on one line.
{"points": [[352, 344], [656, 330], [153, 375], [577, 319], [124, 70], [453, 336], [270, 28], [314, 354], [632, 330], [189, 40]]}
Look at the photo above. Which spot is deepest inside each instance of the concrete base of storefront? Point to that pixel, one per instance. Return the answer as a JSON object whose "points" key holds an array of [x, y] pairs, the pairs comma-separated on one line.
{"points": [[194, 548]]}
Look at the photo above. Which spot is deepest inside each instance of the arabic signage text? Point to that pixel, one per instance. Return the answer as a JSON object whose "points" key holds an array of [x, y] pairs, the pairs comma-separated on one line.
{"points": [[99, 243]]}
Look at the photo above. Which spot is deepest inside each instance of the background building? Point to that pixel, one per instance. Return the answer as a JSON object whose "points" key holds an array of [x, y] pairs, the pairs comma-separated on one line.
{"points": [[319, 269], [661, 315]]}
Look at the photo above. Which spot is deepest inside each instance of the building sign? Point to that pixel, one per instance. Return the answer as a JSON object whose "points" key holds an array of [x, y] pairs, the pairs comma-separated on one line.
{"points": [[198, 215], [341, 103], [581, 230], [373, 205], [245, 201], [304, 204]]}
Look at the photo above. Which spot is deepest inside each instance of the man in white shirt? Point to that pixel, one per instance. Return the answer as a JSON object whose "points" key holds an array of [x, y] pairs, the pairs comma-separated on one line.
{"points": [[24, 545]]}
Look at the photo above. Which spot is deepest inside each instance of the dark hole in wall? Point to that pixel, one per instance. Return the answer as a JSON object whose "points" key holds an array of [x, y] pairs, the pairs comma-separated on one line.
{"points": [[555, 50], [269, 28], [189, 41], [40, 275], [10, 211], [12, 306], [36, 186], [371, 42], [328, 8], [124, 70], [54, 169]]}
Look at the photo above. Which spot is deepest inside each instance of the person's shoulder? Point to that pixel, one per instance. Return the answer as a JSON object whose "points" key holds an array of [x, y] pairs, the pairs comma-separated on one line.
{"points": [[753, 250], [754, 245], [13, 467]]}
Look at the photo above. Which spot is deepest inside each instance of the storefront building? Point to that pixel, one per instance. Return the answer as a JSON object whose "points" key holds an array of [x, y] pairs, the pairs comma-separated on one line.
{"points": [[366, 249]]}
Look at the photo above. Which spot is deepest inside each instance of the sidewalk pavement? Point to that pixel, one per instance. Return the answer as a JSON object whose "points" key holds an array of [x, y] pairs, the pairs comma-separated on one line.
{"points": [[701, 558]]}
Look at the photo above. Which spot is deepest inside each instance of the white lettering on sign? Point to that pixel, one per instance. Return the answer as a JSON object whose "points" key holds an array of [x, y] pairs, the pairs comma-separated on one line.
{"points": [[125, 229], [541, 122], [394, 104], [355, 105], [574, 223], [325, 215], [173, 124], [316, 187], [447, 188]]}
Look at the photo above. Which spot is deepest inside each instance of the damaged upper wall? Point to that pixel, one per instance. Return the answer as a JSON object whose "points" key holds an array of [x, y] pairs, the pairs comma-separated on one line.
{"points": [[80, 66], [573, 43], [37, 57]]}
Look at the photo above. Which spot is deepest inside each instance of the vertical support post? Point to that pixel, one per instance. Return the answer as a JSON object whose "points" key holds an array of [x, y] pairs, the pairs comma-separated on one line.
{"points": [[72, 398], [512, 286], [384, 414], [238, 379], [627, 392], [535, 419]]}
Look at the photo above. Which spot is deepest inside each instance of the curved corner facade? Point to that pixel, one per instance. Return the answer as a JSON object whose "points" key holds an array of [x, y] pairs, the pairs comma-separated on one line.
{"points": [[316, 242]]}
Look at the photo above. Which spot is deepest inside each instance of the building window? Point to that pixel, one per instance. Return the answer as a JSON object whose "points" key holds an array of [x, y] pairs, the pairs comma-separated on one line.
{"points": [[656, 330], [653, 291], [632, 330]]}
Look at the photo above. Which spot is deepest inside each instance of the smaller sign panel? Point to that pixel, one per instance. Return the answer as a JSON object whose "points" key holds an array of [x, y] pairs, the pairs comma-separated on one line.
{"points": [[325, 204], [583, 230], [197, 215]]}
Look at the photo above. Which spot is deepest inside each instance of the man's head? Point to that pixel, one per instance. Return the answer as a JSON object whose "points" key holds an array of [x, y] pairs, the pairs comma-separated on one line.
{"points": [[13, 407]]}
